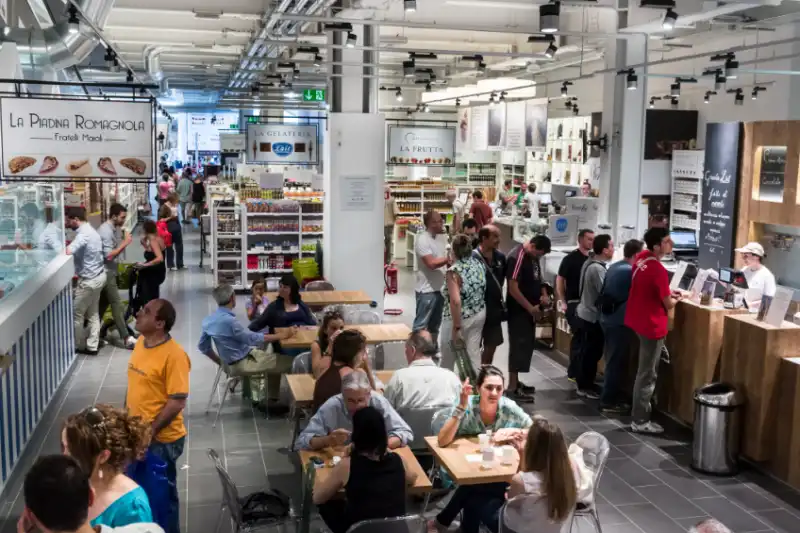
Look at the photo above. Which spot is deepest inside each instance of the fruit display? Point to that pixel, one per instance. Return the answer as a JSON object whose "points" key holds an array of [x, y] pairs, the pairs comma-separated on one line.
{"points": [[258, 205]]}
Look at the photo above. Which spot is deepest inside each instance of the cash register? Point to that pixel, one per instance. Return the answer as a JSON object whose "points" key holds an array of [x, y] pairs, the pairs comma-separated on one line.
{"points": [[684, 244], [735, 284]]}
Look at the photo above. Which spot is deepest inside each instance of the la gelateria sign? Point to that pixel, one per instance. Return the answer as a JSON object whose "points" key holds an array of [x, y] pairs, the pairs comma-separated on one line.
{"points": [[421, 145], [69, 139]]}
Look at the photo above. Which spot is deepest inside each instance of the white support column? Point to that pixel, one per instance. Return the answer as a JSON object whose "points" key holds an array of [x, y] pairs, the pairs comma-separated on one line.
{"points": [[354, 155], [624, 122]]}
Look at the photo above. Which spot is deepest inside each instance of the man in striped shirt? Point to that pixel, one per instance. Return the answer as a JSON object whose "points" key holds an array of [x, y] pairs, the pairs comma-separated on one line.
{"points": [[527, 295]]}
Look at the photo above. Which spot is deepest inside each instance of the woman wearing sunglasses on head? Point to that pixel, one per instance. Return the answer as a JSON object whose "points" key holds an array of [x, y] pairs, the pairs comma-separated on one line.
{"points": [[474, 415], [104, 441]]}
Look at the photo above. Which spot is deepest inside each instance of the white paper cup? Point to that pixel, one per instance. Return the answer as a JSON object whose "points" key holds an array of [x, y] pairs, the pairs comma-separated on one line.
{"points": [[483, 441], [508, 455]]}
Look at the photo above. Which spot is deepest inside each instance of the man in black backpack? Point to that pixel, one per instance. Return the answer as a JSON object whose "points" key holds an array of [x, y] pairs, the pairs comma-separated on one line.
{"points": [[593, 274]]}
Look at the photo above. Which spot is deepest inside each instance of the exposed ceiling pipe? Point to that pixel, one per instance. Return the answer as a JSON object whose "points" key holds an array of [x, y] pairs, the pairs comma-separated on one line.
{"points": [[692, 19], [152, 62], [195, 13], [56, 47]]}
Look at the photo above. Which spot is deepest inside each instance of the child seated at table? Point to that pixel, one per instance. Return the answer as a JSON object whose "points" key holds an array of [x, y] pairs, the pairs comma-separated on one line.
{"points": [[488, 410], [373, 478]]}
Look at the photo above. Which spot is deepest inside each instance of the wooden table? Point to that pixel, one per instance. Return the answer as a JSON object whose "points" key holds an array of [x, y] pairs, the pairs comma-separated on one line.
{"points": [[752, 359], [301, 386], [375, 334], [454, 459], [421, 485], [322, 298]]}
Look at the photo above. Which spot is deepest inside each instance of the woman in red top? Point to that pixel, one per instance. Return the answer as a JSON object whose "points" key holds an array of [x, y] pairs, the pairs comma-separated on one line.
{"points": [[480, 210], [649, 301]]}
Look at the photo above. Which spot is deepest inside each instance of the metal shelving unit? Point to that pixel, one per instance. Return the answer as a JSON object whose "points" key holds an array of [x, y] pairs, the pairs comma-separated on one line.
{"points": [[687, 189]]}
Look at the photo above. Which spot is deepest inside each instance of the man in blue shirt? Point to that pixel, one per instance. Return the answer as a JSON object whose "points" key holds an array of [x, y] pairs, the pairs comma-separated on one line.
{"points": [[612, 302], [237, 346]]}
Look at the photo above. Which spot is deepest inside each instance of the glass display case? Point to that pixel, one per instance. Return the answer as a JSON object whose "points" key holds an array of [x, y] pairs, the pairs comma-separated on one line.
{"points": [[31, 231]]}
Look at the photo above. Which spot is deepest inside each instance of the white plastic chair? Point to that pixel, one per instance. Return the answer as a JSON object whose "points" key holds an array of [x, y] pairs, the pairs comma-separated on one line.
{"points": [[596, 449], [401, 524], [530, 502], [300, 365]]}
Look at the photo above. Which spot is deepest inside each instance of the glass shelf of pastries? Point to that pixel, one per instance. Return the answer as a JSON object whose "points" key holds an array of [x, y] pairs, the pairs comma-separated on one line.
{"points": [[31, 231], [525, 228]]}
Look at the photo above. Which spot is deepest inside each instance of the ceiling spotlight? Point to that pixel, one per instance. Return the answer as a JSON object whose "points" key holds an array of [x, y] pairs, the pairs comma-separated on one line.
{"points": [[458, 102], [707, 97], [408, 68], [409, 113], [674, 103], [669, 19], [757, 89], [568, 104], [564, 88], [108, 58], [719, 82], [551, 50], [6, 30], [317, 60], [129, 77], [428, 87], [73, 22], [739, 98], [213, 119], [548, 17], [652, 103], [410, 5], [289, 92], [142, 92], [675, 90], [632, 81], [351, 40], [503, 96], [398, 95], [491, 99], [731, 69], [427, 108], [481, 67], [575, 111], [254, 91]]}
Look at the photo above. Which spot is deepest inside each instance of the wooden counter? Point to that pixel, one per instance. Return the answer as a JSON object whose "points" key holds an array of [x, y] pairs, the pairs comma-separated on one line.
{"points": [[787, 436], [374, 333], [694, 344], [752, 354]]}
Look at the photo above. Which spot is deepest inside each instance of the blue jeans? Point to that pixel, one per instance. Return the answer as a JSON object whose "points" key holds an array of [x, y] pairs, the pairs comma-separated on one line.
{"points": [[430, 306], [480, 504], [170, 452], [618, 340]]}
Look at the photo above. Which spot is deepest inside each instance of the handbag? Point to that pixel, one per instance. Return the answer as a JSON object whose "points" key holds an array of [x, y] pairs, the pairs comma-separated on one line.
{"points": [[150, 473], [265, 505], [497, 282]]}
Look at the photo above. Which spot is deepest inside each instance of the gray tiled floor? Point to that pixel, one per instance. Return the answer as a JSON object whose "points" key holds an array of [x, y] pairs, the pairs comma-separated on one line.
{"points": [[647, 487]]}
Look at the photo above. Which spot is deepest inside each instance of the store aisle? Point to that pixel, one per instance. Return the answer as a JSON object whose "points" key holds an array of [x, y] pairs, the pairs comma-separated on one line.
{"points": [[646, 488]]}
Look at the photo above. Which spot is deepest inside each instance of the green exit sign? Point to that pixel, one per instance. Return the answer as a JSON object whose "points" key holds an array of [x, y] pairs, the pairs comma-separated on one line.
{"points": [[234, 126], [252, 120], [314, 95]]}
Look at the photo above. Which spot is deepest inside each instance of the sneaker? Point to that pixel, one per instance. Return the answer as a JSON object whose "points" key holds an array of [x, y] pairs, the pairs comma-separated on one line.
{"points": [[519, 395], [647, 427], [615, 409], [85, 351], [588, 394], [130, 343], [530, 389], [172, 269]]}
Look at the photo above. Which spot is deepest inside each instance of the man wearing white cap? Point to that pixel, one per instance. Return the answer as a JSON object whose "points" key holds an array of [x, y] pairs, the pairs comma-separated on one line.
{"points": [[757, 275]]}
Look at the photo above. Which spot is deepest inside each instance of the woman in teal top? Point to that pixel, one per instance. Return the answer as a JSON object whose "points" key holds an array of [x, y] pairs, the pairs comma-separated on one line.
{"points": [[465, 304], [104, 440]]}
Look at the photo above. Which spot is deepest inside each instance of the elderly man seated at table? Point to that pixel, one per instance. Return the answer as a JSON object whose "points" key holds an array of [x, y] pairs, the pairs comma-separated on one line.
{"points": [[333, 422], [240, 348], [423, 385]]}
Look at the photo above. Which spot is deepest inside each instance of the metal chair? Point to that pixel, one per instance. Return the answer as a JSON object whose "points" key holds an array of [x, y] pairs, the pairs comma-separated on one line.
{"points": [[401, 524], [300, 365], [319, 285], [390, 355], [309, 474], [233, 504], [419, 420], [596, 449], [225, 369], [437, 422]]}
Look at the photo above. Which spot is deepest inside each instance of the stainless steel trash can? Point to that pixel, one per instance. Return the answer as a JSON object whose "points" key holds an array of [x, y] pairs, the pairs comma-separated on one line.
{"points": [[717, 429]]}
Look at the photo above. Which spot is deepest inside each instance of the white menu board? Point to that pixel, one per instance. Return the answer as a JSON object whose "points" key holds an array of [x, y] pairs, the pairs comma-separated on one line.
{"points": [[292, 144], [479, 128], [203, 130], [515, 126], [46, 138], [536, 125]]}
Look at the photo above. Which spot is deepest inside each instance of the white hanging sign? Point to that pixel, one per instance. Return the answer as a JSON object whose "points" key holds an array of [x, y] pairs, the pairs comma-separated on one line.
{"points": [[536, 125], [421, 145], [515, 126], [282, 144], [46, 138], [479, 128]]}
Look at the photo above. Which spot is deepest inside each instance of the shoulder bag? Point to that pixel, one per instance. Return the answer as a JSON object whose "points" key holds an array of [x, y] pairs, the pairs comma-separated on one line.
{"points": [[496, 282]]}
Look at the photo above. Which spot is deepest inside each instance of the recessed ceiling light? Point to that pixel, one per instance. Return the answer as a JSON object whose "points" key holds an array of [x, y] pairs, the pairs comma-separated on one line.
{"points": [[669, 19]]}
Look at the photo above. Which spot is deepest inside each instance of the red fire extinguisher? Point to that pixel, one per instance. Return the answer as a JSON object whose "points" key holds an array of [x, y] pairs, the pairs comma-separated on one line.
{"points": [[391, 279]]}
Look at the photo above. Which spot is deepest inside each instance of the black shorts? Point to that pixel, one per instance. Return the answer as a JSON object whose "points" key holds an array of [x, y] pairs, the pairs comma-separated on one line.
{"points": [[521, 340], [493, 334]]}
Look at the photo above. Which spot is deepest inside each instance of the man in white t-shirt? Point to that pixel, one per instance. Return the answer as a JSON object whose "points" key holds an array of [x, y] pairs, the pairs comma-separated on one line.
{"points": [[532, 201], [759, 278], [458, 211], [432, 260]]}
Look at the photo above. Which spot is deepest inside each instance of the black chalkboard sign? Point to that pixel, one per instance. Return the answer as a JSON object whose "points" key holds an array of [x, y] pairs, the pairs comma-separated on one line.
{"points": [[770, 179], [720, 195]]}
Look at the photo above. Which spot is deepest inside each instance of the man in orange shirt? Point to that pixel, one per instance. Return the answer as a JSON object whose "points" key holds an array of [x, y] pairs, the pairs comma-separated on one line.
{"points": [[158, 386]]}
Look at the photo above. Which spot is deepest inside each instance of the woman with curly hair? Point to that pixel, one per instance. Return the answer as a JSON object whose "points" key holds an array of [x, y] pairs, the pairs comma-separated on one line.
{"points": [[105, 440]]}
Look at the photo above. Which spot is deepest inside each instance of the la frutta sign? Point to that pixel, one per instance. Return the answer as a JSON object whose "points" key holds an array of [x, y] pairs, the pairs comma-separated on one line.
{"points": [[71, 139], [421, 146]]}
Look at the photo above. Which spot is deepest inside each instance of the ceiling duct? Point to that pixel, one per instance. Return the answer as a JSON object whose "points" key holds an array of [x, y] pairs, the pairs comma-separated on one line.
{"points": [[56, 47]]}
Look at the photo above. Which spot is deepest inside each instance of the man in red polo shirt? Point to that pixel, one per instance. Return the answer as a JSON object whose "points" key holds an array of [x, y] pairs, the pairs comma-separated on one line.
{"points": [[480, 210], [649, 301]]}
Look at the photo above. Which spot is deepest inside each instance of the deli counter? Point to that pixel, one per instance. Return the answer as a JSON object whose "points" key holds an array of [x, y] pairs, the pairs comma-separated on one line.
{"points": [[37, 345]]}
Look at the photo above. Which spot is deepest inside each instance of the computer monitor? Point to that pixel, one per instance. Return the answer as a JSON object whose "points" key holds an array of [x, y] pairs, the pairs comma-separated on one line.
{"points": [[684, 240], [570, 193], [545, 198]]}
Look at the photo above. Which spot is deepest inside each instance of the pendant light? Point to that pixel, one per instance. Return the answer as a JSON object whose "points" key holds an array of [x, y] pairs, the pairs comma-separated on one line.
{"points": [[549, 15]]}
